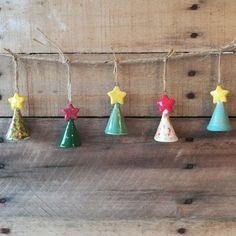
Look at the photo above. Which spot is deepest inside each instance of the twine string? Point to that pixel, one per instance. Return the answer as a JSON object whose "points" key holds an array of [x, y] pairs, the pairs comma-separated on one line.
{"points": [[16, 68], [115, 69], [219, 66], [69, 86], [165, 59], [227, 49], [64, 60]]}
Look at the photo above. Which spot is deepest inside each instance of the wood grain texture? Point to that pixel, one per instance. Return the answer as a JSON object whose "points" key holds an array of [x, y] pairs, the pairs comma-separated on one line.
{"points": [[55, 227], [44, 84], [127, 26], [109, 180], [123, 178]]}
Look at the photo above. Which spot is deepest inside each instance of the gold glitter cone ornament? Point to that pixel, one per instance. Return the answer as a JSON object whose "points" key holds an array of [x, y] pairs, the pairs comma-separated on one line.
{"points": [[17, 130]]}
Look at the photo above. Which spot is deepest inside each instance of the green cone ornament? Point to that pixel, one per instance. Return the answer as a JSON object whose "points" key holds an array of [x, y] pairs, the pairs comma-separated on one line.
{"points": [[219, 120], [70, 137], [116, 124], [17, 129]]}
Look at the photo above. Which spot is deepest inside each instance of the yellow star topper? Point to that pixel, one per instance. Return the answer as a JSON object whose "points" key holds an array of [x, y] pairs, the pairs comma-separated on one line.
{"points": [[219, 94], [116, 95], [17, 101]]}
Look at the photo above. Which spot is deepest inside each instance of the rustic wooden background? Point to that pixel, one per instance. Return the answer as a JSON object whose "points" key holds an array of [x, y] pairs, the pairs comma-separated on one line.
{"points": [[126, 185], [139, 27]]}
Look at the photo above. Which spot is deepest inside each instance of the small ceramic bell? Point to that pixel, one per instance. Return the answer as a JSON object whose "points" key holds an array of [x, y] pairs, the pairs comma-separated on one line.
{"points": [[219, 120], [17, 130], [165, 131], [116, 123], [70, 137]]}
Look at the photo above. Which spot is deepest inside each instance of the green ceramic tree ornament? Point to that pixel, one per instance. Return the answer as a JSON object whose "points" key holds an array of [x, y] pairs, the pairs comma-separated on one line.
{"points": [[70, 137], [116, 123]]}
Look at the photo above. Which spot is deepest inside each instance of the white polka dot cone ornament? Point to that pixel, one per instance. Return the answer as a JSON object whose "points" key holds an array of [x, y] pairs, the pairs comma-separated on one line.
{"points": [[165, 131]]}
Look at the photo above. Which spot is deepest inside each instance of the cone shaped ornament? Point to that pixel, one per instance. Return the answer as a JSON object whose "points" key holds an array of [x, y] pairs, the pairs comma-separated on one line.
{"points": [[116, 123], [219, 120], [17, 130], [70, 137], [165, 131]]}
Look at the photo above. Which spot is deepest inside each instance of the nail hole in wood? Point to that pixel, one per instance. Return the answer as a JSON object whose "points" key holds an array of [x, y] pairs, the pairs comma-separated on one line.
{"points": [[194, 7], [0, 97], [181, 230], [188, 201], [189, 139], [5, 230], [0, 73], [2, 166], [189, 166], [192, 73], [1, 140], [194, 35], [190, 95], [3, 200]]}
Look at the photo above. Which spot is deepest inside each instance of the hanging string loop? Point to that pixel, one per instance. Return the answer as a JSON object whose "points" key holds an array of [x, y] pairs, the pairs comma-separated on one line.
{"points": [[16, 68], [165, 59], [115, 69], [219, 66], [64, 60]]}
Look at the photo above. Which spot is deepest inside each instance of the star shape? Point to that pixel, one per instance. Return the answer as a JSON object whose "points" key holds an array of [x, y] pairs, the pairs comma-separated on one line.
{"points": [[116, 95], [219, 94], [17, 101], [165, 103], [71, 112]]}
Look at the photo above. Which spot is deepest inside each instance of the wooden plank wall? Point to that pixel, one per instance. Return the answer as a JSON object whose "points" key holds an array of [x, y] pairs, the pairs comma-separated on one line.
{"points": [[129, 27], [128, 185], [118, 186]]}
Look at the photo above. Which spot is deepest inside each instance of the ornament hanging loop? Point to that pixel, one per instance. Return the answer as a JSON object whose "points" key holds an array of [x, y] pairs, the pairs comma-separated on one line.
{"points": [[64, 60], [69, 86], [219, 66], [115, 69], [165, 59], [16, 68]]}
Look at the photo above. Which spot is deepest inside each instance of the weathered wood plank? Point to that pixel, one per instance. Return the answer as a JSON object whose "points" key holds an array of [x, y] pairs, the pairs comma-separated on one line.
{"points": [[44, 83], [128, 178], [53, 227], [128, 26]]}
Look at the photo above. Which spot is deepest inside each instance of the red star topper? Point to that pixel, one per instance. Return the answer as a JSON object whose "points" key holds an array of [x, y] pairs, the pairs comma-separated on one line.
{"points": [[166, 103], [70, 112]]}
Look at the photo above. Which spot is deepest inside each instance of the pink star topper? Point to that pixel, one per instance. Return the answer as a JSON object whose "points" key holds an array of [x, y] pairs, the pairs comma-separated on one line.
{"points": [[71, 112], [165, 103]]}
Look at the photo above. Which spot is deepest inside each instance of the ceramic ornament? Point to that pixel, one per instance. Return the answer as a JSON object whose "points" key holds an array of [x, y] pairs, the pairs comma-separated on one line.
{"points": [[70, 137], [17, 129], [116, 123], [165, 131], [219, 120]]}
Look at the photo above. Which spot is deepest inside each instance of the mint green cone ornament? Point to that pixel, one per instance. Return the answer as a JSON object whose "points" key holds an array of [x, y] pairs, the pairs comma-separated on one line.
{"points": [[116, 123], [70, 138], [219, 120]]}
